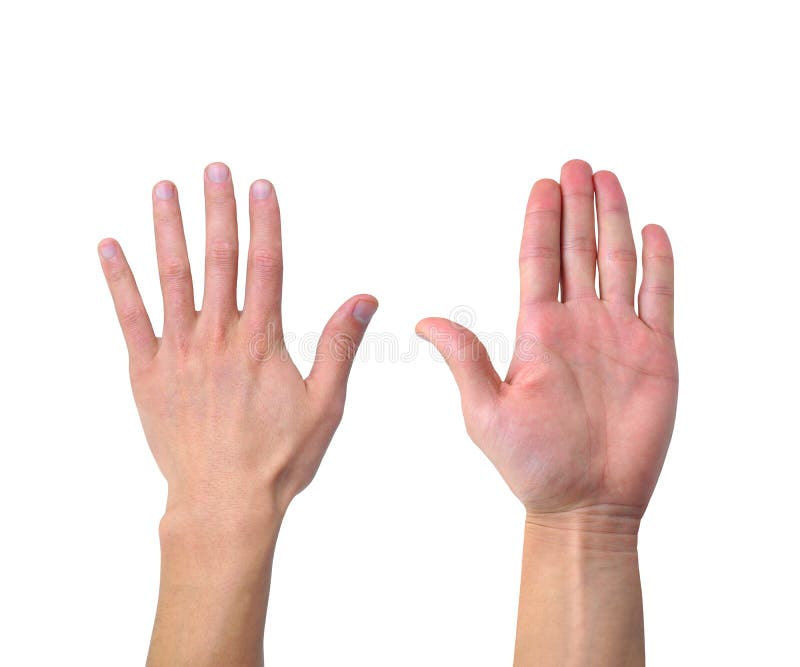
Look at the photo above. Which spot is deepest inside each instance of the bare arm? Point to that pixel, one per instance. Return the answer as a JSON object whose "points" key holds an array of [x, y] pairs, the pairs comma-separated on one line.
{"points": [[234, 428], [580, 600], [580, 425]]}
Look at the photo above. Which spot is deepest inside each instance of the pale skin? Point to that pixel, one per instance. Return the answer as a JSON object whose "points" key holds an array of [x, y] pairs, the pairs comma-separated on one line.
{"points": [[578, 429], [233, 426], [580, 426]]}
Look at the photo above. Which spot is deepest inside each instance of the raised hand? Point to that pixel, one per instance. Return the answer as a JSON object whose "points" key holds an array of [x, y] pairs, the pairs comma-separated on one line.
{"points": [[233, 426], [581, 424], [584, 417]]}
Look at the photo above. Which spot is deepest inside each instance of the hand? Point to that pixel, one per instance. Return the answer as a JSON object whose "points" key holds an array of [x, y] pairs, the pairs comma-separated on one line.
{"points": [[228, 417], [584, 417], [234, 428]]}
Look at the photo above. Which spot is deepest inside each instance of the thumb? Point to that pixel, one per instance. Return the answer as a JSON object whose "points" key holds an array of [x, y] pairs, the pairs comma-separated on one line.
{"points": [[466, 356], [338, 345]]}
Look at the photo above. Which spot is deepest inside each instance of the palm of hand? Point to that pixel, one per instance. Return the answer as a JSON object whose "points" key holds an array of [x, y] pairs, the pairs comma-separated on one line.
{"points": [[585, 414], [588, 419]]}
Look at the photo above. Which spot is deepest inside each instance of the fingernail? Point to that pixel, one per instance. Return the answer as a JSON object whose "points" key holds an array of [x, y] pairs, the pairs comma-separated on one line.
{"points": [[217, 172], [108, 250], [164, 190], [364, 310], [261, 189]]}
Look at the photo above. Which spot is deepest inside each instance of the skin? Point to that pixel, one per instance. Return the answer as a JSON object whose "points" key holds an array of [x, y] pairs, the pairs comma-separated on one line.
{"points": [[580, 426], [234, 428]]}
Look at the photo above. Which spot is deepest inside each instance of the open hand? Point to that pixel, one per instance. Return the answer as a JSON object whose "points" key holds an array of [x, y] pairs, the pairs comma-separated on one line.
{"points": [[584, 417], [233, 426]]}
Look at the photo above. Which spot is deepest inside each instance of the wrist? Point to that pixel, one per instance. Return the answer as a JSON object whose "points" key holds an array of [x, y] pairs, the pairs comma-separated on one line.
{"points": [[218, 541], [215, 575], [230, 508], [598, 528], [580, 596]]}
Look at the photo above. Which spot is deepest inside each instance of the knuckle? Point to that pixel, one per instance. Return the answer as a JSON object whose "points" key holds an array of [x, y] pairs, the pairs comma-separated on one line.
{"points": [[622, 256], [174, 269], [166, 218], [463, 346], [659, 289], [541, 213], [130, 317], [118, 273], [340, 348], [182, 344], [578, 197], [664, 260], [219, 199], [466, 347], [533, 251], [217, 334], [222, 253], [579, 244], [266, 264], [614, 210]]}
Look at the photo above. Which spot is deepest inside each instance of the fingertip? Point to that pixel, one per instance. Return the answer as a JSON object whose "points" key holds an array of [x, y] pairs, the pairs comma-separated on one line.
{"points": [[425, 325], [609, 194], [164, 190], [576, 165], [545, 183], [606, 178], [107, 248], [421, 327], [656, 236], [364, 308], [217, 172], [545, 195], [261, 189], [605, 173], [365, 297], [576, 179], [653, 228]]}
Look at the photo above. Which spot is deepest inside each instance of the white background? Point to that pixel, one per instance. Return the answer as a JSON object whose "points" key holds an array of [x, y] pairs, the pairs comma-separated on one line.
{"points": [[402, 139]]}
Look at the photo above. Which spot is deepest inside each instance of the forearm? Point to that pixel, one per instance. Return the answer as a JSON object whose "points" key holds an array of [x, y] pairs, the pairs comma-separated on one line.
{"points": [[215, 576], [580, 595]]}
